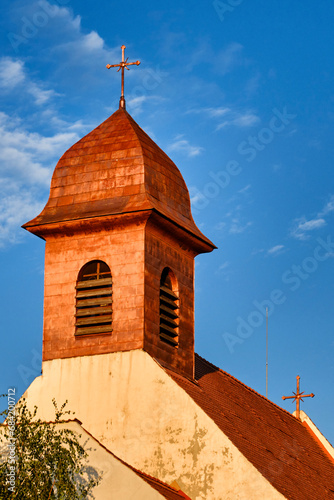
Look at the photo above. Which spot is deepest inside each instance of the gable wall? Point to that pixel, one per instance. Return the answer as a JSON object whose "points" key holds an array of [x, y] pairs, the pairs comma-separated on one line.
{"points": [[129, 403]]}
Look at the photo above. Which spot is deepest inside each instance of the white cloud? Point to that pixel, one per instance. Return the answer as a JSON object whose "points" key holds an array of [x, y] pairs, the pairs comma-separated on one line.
{"points": [[225, 265], [135, 104], [275, 250], [17, 206], [218, 111], [212, 112], [27, 160], [245, 189], [329, 207], [227, 59], [196, 196], [11, 72], [41, 95], [183, 146], [92, 42], [246, 120], [84, 49], [303, 226], [253, 84], [242, 120], [231, 117], [312, 224], [60, 124], [85, 44], [237, 227], [26, 156], [13, 76]]}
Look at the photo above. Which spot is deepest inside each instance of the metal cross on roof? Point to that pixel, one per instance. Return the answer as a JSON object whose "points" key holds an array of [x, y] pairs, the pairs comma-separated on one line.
{"points": [[297, 397], [123, 64]]}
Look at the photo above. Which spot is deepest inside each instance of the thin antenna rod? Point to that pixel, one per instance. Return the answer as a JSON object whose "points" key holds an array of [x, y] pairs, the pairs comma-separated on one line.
{"points": [[266, 352]]}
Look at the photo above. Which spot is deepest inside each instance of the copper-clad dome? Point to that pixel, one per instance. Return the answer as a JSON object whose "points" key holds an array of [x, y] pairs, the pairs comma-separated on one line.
{"points": [[116, 169]]}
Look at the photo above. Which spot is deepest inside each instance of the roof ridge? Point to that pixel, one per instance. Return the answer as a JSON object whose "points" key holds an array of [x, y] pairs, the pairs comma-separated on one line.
{"points": [[134, 124], [247, 387]]}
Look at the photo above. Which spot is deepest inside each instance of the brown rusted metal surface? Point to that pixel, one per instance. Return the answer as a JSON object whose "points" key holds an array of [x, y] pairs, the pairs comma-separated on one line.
{"points": [[298, 396], [123, 64]]}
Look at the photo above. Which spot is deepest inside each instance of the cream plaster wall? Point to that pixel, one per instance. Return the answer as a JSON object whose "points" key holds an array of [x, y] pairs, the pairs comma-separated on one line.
{"points": [[118, 481], [132, 406]]}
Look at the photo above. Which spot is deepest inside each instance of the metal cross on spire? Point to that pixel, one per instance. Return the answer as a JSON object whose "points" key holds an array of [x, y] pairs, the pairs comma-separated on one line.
{"points": [[123, 64], [297, 397]]}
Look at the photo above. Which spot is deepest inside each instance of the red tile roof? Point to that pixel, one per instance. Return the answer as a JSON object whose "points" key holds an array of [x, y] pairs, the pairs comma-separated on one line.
{"points": [[164, 489], [281, 448], [117, 169]]}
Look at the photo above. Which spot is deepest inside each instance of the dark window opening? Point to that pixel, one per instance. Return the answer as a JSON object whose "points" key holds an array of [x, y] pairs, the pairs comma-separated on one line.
{"points": [[168, 310], [94, 299]]}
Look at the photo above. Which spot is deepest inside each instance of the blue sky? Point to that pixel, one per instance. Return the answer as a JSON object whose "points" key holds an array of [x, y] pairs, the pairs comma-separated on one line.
{"points": [[240, 95]]}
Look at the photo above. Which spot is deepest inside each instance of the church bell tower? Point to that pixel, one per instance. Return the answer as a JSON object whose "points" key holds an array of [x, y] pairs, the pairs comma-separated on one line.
{"points": [[120, 249]]}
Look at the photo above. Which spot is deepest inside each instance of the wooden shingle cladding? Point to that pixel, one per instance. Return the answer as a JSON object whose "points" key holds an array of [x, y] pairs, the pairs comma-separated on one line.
{"points": [[169, 310], [94, 299]]}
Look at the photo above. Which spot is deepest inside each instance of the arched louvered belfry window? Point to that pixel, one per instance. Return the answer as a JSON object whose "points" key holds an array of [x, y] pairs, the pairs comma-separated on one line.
{"points": [[169, 308], [94, 299]]}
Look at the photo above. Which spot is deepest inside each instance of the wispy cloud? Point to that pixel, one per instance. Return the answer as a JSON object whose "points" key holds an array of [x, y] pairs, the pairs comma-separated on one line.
{"points": [[238, 227], [26, 163], [23, 154], [245, 189], [302, 226], [182, 145], [13, 76], [229, 58], [17, 205], [11, 73], [329, 207], [246, 120], [74, 44], [196, 196], [135, 104], [223, 266], [275, 250], [211, 112], [220, 226], [242, 120], [236, 118]]}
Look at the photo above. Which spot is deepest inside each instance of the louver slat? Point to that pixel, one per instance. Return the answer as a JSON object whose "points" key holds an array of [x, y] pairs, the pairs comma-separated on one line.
{"points": [[168, 339], [168, 292], [94, 283], [167, 310], [168, 302], [94, 329], [168, 313], [93, 293], [91, 311], [166, 329], [94, 320], [168, 321], [94, 302]]}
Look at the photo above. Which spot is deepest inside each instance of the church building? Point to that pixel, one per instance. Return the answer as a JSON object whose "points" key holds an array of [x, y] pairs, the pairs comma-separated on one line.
{"points": [[118, 339]]}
